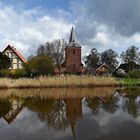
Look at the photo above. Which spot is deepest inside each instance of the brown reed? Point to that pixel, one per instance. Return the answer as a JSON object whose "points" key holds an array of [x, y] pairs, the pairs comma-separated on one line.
{"points": [[57, 82]]}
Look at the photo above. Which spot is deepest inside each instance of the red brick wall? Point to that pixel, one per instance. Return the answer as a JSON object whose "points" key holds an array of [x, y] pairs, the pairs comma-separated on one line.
{"points": [[73, 59]]}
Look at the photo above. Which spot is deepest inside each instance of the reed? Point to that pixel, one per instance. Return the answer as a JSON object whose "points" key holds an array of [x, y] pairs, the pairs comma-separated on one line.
{"points": [[58, 93], [58, 81]]}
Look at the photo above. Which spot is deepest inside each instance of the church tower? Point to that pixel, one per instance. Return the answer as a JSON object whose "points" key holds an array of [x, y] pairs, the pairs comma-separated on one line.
{"points": [[73, 54]]}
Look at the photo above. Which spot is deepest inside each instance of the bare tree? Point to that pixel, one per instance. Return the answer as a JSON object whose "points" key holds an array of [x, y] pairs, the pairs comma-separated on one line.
{"points": [[55, 50]]}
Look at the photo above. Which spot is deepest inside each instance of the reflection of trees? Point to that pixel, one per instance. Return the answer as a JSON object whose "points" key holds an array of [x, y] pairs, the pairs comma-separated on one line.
{"points": [[131, 94], [132, 107], [40, 106], [5, 107], [57, 116], [109, 104], [51, 111], [93, 104]]}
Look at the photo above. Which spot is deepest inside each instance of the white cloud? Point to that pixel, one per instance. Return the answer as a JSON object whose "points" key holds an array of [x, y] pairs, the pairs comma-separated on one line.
{"points": [[136, 37], [27, 29], [101, 38], [107, 24]]}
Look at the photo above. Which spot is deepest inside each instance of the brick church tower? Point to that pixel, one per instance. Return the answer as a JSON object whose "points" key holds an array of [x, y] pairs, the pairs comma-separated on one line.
{"points": [[73, 55]]}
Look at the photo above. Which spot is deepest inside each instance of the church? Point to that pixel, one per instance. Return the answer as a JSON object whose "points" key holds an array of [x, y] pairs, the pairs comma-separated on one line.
{"points": [[72, 64]]}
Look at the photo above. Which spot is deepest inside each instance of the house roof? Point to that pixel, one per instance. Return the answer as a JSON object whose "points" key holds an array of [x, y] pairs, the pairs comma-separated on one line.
{"points": [[126, 66], [13, 115], [72, 39], [104, 64], [16, 52]]}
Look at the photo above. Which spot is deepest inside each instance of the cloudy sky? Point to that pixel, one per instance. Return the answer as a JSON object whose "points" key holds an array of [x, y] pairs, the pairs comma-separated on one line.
{"points": [[100, 24]]}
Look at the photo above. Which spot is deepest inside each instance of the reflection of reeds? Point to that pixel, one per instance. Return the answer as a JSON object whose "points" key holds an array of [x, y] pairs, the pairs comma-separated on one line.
{"points": [[58, 93], [56, 81]]}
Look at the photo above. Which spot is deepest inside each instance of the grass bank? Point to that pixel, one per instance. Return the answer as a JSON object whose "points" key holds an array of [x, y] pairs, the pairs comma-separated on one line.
{"points": [[129, 82], [66, 81], [58, 82]]}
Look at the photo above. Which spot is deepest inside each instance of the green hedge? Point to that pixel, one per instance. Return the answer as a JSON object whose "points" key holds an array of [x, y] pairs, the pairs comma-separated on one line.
{"points": [[13, 73], [134, 74], [5, 73]]}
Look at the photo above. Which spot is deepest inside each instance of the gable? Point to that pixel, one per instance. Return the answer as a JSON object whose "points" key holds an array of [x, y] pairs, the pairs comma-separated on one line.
{"points": [[13, 53], [103, 67]]}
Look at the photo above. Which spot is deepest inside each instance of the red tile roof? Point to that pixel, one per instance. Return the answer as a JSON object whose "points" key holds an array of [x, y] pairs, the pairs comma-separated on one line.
{"points": [[16, 52]]}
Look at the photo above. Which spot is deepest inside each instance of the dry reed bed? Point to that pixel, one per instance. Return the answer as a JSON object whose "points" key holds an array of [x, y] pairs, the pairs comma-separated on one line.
{"points": [[58, 81], [58, 93]]}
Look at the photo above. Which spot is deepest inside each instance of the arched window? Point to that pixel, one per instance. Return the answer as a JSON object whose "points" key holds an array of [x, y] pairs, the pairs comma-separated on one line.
{"points": [[73, 51]]}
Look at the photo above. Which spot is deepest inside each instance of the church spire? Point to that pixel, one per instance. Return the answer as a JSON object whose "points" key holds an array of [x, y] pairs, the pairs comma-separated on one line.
{"points": [[72, 36]]}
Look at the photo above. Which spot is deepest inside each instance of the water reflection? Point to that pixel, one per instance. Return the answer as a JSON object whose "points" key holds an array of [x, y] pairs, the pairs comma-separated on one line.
{"points": [[67, 115]]}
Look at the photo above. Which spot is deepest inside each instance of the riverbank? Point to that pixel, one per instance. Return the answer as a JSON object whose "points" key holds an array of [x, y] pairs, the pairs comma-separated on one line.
{"points": [[129, 82], [58, 82], [66, 82]]}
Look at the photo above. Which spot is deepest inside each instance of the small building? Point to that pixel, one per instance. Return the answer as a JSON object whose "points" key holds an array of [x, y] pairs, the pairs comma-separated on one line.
{"points": [[17, 60], [103, 70], [128, 67]]}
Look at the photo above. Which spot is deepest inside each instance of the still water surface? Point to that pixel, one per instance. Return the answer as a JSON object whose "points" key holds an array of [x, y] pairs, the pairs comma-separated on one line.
{"points": [[67, 114]]}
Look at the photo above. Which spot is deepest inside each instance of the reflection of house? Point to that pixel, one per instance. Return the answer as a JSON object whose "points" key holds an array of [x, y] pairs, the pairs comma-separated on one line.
{"points": [[16, 58], [73, 112], [17, 106], [103, 70]]}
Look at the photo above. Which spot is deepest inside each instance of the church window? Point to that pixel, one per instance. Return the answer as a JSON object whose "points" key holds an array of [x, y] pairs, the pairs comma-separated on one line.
{"points": [[73, 51]]}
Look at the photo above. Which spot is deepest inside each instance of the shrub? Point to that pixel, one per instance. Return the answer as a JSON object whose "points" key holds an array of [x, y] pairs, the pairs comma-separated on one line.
{"points": [[18, 73], [121, 73], [13, 73], [5, 73], [134, 74], [39, 65]]}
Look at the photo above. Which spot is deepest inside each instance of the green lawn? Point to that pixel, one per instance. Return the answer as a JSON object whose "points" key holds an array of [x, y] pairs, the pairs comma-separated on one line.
{"points": [[131, 82], [128, 82]]}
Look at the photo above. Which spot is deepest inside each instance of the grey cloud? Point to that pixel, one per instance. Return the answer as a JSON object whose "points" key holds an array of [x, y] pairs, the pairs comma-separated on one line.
{"points": [[117, 19], [121, 15]]}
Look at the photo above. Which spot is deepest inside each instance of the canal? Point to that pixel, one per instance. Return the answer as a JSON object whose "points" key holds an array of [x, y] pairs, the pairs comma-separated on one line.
{"points": [[68, 114]]}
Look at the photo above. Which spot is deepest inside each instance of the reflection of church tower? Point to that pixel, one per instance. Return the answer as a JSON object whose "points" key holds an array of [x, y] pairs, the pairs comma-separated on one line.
{"points": [[73, 54], [73, 112]]}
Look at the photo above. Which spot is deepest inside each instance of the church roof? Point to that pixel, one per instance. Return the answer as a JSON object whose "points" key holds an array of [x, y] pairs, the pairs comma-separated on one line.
{"points": [[72, 36], [72, 39]]}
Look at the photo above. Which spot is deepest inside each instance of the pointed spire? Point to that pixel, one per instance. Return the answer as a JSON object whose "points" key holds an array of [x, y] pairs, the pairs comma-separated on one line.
{"points": [[73, 128], [72, 36]]}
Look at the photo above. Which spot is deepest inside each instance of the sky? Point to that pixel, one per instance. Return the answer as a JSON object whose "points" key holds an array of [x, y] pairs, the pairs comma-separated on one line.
{"points": [[101, 24]]}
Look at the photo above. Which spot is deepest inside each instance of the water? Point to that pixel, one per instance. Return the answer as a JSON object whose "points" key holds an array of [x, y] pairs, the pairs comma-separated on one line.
{"points": [[67, 114]]}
